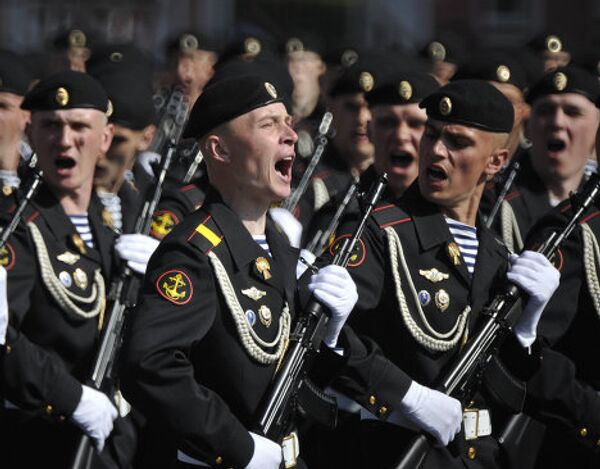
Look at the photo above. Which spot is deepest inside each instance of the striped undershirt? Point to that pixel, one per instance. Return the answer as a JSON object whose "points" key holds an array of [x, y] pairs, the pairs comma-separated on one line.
{"points": [[112, 203], [466, 238], [82, 225], [262, 242]]}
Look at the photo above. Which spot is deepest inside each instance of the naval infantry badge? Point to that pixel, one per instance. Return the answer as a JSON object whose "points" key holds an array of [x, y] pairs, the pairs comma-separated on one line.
{"points": [[175, 286]]}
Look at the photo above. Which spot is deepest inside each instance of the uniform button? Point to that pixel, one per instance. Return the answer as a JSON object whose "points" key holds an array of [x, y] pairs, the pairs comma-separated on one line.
{"points": [[219, 460], [471, 453], [372, 400], [583, 432], [8, 349], [49, 409], [61, 418], [382, 411]]}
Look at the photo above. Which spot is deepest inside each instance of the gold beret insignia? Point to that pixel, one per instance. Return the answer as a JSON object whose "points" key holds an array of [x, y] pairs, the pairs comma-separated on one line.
{"points": [[405, 90], [62, 97], [445, 106], [271, 89], [366, 81], [503, 73], [559, 80]]}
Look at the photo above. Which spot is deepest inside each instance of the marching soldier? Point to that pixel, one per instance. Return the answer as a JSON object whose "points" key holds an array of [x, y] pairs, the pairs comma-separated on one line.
{"points": [[562, 129], [59, 264], [216, 309], [424, 271]]}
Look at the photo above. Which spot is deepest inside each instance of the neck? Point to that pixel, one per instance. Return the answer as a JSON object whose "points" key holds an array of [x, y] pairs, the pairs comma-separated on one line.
{"points": [[465, 211], [75, 202], [252, 213], [560, 190], [9, 158]]}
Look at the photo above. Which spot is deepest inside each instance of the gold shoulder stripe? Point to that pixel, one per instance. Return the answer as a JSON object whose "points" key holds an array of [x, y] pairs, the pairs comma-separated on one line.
{"points": [[210, 235]]}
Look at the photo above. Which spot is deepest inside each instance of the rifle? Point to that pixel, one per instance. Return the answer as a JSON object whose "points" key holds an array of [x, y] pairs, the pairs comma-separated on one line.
{"points": [[321, 139], [36, 181], [512, 172], [123, 294], [282, 399], [464, 377], [173, 111], [321, 238]]}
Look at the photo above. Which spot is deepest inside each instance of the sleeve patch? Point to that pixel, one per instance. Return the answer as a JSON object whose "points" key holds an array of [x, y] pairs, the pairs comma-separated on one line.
{"points": [[163, 222], [175, 286], [358, 254], [7, 257]]}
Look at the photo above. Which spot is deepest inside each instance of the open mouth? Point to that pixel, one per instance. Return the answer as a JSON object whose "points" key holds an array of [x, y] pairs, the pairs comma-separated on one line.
{"points": [[64, 162], [555, 144], [402, 159], [436, 174], [284, 166]]}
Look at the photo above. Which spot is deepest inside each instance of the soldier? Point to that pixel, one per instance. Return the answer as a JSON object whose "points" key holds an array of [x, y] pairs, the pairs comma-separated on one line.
{"points": [[216, 309], [424, 271], [59, 264], [562, 129], [551, 49], [445, 53], [14, 82]]}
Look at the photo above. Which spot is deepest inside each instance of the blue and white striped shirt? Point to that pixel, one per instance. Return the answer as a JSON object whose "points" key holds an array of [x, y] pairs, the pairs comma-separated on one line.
{"points": [[466, 238], [82, 225], [262, 242]]}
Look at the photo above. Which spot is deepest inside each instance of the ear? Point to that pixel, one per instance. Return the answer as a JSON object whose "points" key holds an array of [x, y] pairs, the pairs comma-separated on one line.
{"points": [[147, 137], [107, 136], [217, 148], [496, 162]]}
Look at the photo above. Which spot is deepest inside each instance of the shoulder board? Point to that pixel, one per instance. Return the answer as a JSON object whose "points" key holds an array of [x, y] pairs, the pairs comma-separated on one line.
{"points": [[390, 214], [206, 236]]}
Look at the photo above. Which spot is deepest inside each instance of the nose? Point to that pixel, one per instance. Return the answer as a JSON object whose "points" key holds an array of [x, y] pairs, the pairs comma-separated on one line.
{"points": [[558, 120], [66, 137], [185, 72], [402, 133], [364, 115]]}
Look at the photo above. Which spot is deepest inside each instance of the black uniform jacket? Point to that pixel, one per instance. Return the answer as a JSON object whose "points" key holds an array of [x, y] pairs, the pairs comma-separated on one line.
{"points": [[50, 349], [565, 393], [442, 288], [183, 360]]}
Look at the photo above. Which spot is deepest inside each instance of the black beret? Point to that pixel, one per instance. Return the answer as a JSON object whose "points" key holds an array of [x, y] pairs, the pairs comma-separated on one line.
{"points": [[360, 77], [300, 41], [569, 79], [189, 41], [446, 47], [131, 98], [72, 38], [227, 98], [493, 66], [15, 77], [67, 90], [547, 42], [401, 85], [342, 56], [474, 103], [106, 58], [250, 45]]}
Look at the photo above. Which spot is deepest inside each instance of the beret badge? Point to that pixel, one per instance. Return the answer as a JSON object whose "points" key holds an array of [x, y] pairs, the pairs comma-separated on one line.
{"points": [[62, 97], [405, 90], [503, 73], [252, 46], [116, 57], [445, 106], [349, 57], [77, 38], [294, 45], [559, 80], [188, 42], [366, 81], [437, 51], [271, 90], [553, 44]]}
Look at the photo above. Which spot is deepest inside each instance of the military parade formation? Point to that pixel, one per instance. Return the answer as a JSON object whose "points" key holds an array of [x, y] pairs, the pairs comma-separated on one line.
{"points": [[269, 256]]}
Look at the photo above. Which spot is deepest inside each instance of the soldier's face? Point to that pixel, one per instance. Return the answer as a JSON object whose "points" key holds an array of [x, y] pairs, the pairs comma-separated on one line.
{"points": [[194, 69], [260, 153], [396, 132], [351, 117], [13, 120], [68, 144], [562, 129], [455, 162]]}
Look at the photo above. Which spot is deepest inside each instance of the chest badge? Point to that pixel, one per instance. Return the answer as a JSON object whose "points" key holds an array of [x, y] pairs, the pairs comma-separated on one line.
{"points": [[254, 293], [263, 267], [251, 317], [81, 278], [434, 275], [442, 300], [65, 279], [265, 316], [79, 244], [424, 297], [175, 286], [68, 257], [454, 253]]}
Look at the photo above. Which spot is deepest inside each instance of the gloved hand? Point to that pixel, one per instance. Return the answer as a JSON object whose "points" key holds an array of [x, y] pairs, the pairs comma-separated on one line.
{"points": [[433, 411], [3, 306], [95, 415], [334, 287], [534, 274], [288, 223], [148, 159], [301, 266], [136, 249], [267, 454]]}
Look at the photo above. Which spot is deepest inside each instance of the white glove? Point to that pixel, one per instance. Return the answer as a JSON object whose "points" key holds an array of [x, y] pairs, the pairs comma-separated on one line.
{"points": [[147, 159], [334, 287], [95, 415], [433, 411], [267, 453], [301, 267], [534, 274], [136, 249], [288, 223], [3, 306]]}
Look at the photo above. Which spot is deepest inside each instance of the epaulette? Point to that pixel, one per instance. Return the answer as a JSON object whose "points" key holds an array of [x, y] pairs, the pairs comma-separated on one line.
{"points": [[206, 236], [389, 215], [193, 194]]}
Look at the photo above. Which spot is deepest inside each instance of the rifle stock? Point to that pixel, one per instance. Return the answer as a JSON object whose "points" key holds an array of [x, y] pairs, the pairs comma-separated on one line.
{"points": [[464, 377]]}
